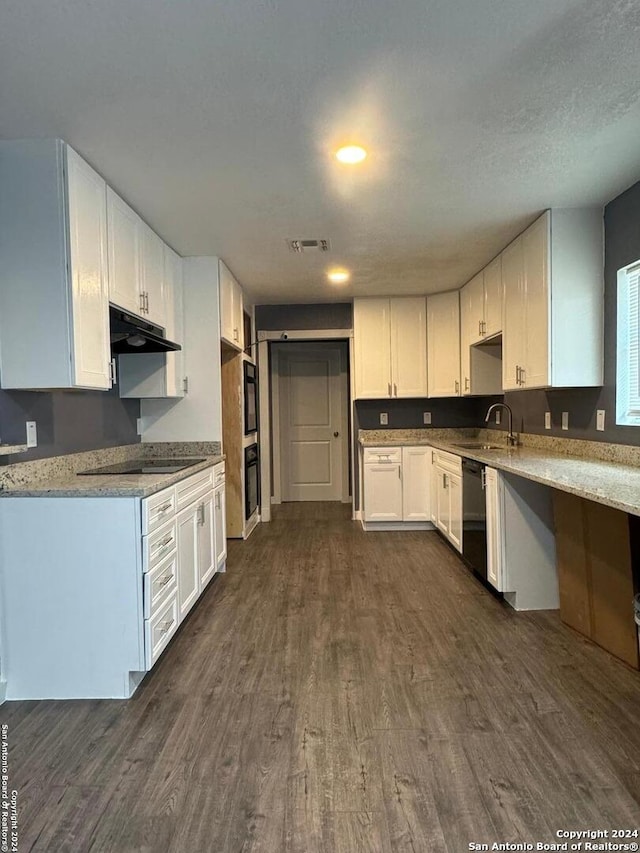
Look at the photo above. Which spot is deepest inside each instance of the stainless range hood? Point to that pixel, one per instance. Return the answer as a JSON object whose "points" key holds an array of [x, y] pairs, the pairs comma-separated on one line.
{"points": [[130, 335]]}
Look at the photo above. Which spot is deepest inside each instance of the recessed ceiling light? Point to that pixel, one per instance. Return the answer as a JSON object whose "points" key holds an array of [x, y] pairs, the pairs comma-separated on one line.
{"points": [[351, 154], [338, 276]]}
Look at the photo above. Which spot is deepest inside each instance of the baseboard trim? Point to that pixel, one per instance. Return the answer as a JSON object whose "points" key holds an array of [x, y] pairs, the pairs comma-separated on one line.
{"points": [[380, 526]]}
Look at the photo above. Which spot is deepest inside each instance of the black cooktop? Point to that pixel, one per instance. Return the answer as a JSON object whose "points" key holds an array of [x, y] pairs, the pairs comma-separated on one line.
{"points": [[144, 466]]}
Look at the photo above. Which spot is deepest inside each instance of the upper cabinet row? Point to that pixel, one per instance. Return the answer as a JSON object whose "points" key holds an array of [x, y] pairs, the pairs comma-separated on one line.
{"points": [[69, 246], [533, 318], [231, 308]]}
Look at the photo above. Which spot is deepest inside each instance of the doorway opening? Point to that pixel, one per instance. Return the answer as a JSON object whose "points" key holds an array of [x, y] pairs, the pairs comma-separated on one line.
{"points": [[310, 421]]}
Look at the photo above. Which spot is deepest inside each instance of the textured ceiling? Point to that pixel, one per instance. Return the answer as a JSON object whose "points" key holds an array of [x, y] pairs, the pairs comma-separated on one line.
{"points": [[217, 122]]}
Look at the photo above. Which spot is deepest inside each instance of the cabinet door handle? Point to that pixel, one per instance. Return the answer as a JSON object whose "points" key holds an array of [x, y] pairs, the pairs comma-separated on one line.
{"points": [[201, 515], [444, 481], [217, 500], [517, 374], [399, 472], [457, 387], [142, 301], [165, 626], [395, 390], [483, 479], [389, 389], [164, 580], [466, 383], [113, 375], [164, 542], [480, 327], [162, 509], [522, 375], [484, 328]]}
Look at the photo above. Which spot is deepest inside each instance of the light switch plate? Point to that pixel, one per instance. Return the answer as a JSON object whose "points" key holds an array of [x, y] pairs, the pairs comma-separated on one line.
{"points": [[565, 420], [32, 434], [547, 420], [139, 426], [384, 418], [426, 417], [600, 420]]}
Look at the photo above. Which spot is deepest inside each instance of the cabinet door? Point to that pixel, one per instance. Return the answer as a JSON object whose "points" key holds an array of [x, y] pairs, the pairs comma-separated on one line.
{"points": [[494, 528], [433, 481], [535, 244], [442, 500], [87, 210], [443, 344], [493, 298], [372, 348], [188, 552], [230, 307], [408, 318], [219, 510], [206, 547], [174, 383], [123, 232], [383, 492], [153, 276], [513, 325], [471, 325], [454, 488], [416, 483]]}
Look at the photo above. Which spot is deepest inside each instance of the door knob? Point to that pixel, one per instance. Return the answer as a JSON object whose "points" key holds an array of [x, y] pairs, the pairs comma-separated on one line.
{"points": [[336, 434]]}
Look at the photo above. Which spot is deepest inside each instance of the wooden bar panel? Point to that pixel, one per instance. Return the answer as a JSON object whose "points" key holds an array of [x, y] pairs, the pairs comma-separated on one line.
{"points": [[595, 572]]}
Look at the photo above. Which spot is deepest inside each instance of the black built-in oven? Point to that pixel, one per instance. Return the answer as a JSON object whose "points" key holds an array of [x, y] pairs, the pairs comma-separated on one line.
{"points": [[251, 480], [250, 398]]}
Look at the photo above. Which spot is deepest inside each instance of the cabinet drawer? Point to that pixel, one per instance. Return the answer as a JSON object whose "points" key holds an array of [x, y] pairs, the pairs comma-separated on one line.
{"points": [[448, 461], [159, 630], [382, 455], [158, 545], [218, 474], [194, 487], [160, 583], [157, 509]]}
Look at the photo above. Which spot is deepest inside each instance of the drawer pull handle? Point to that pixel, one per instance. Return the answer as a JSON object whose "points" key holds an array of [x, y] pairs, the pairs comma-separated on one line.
{"points": [[165, 580], [164, 507], [165, 626], [164, 542]]}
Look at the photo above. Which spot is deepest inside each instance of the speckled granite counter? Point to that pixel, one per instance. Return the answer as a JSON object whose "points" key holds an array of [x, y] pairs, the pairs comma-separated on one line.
{"points": [[613, 483], [58, 475]]}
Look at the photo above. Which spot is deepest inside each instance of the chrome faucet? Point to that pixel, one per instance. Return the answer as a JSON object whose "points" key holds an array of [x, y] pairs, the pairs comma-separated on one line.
{"points": [[512, 440]]}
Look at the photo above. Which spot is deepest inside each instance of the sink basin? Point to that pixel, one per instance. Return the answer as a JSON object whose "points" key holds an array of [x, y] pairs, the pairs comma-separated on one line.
{"points": [[477, 445]]}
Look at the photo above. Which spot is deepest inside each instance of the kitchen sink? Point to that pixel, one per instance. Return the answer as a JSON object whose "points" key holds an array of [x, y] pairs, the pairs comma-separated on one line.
{"points": [[477, 445]]}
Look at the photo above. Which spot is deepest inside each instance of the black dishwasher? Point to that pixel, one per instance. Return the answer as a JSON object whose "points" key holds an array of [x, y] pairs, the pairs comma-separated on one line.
{"points": [[474, 517]]}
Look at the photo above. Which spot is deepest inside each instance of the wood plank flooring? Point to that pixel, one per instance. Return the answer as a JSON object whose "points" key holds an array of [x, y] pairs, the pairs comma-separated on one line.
{"points": [[339, 692]]}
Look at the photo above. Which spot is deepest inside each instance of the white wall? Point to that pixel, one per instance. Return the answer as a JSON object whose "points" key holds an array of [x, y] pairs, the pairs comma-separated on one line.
{"points": [[198, 415]]}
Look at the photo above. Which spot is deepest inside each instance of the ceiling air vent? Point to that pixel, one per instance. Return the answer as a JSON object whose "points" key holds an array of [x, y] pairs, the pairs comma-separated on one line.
{"points": [[301, 246]]}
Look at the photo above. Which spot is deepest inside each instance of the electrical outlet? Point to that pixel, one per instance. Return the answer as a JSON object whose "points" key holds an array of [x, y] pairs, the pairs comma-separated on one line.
{"points": [[565, 420], [498, 416], [139, 426], [547, 420], [426, 417], [32, 434], [384, 418], [600, 420]]}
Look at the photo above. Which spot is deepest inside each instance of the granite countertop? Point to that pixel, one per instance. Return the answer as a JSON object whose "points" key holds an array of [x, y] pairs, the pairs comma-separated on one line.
{"points": [[614, 484], [60, 478]]}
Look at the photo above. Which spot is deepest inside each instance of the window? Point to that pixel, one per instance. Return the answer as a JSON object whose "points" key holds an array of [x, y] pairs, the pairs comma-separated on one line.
{"points": [[628, 357]]}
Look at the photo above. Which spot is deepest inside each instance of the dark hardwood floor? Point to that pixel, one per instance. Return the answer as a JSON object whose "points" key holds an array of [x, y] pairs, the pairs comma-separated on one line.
{"points": [[341, 692]]}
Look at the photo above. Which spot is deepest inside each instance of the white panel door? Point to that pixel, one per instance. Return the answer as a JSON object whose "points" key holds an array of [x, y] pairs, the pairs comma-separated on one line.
{"points": [[123, 231], [311, 387], [535, 244], [494, 528], [513, 315], [383, 491], [206, 546], [188, 575], [443, 344], [87, 207], [372, 348], [153, 276], [408, 318], [493, 298], [416, 483], [220, 525]]}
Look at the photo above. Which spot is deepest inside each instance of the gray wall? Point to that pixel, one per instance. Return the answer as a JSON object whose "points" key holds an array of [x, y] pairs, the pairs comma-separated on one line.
{"points": [[67, 421], [321, 315], [622, 247], [408, 414]]}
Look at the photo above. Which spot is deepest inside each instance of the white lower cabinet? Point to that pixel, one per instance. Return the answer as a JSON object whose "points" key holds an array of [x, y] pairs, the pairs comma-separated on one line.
{"points": [[396, 485], [109, 589], [493, 498], [447, 489]]}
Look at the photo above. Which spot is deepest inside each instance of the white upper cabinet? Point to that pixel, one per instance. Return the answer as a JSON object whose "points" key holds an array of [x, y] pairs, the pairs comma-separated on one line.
{"points": [[152, 276], [123, 230], [493, 296], [443, 340], [553, 302], [54, 319], [155, 374], [390, 347], [231, 308], [372, 349], [471, 323]]}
